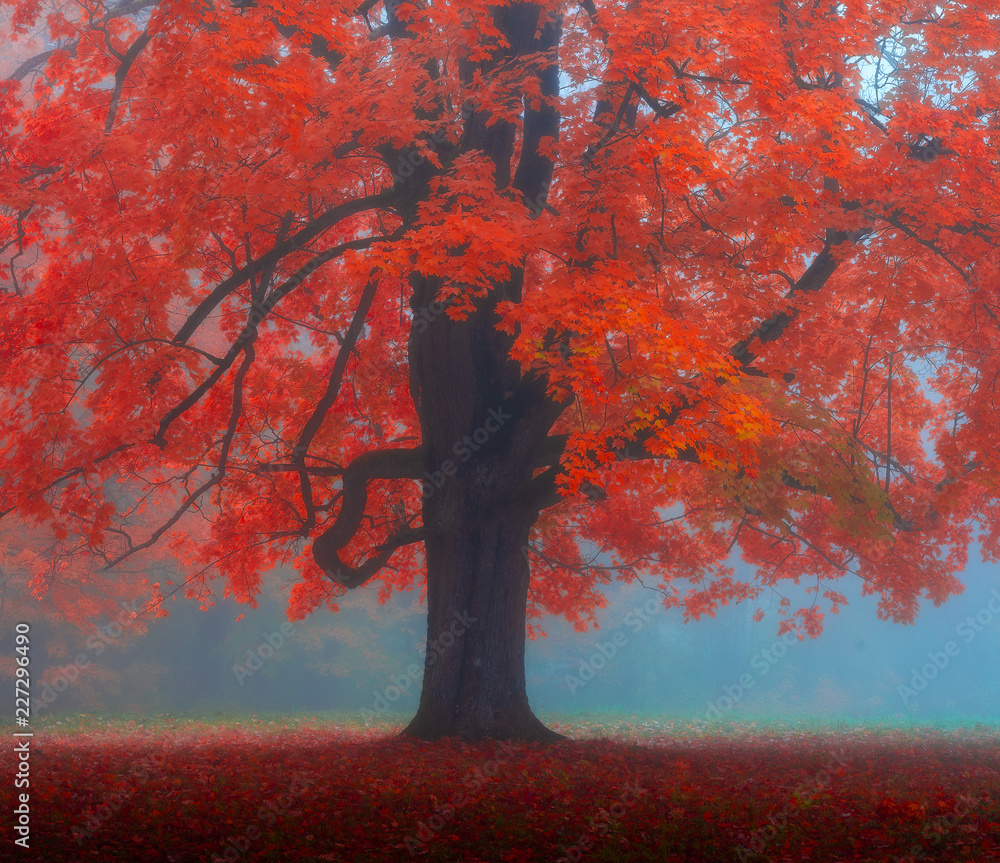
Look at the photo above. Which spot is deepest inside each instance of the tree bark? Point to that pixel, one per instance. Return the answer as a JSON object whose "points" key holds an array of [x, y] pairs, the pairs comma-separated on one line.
{"points": [[474, 680], [482, 428]]}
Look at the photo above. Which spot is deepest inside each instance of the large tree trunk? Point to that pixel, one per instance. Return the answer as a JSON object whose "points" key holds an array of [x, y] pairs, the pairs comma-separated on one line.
{"points": [[483, 427], [474, 682]]}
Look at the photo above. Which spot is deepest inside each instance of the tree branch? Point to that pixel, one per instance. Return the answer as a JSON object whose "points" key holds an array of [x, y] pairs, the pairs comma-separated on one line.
{"points": [[814, 278], [280, 250], [542, 491], [220, 472], [395, 463], [319, 413], [130, 7], [258, 313], [895, 219], [126, 64]]}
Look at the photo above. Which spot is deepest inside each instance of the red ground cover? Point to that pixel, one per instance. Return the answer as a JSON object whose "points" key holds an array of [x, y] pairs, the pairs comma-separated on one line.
{"points": [[654, 792]]}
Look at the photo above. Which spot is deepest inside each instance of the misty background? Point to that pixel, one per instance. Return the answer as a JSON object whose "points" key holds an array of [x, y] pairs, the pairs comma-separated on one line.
{"points": [[642, 659]]}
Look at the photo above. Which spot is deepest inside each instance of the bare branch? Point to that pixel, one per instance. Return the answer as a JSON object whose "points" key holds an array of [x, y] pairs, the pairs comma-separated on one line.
{"points": [[220, 472], [280, 250], [126, 64], [328, 398], [258, 313]]}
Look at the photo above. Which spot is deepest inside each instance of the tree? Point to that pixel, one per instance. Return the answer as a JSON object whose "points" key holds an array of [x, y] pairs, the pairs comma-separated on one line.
{"points": [[462, 295]]}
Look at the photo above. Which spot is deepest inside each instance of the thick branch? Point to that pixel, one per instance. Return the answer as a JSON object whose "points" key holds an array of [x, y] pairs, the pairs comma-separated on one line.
{"points": [[318, 46], [396, 463], [280, 250], [126, 64], [534, 169], [814, 278], [258, 313], [32, 64]]}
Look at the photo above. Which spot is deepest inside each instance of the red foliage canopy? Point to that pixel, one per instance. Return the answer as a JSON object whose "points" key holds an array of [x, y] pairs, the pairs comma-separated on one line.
{"points": [[763, 278]]}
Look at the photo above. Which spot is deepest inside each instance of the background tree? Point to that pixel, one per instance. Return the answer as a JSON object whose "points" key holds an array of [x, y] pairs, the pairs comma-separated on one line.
{"points": [[449, 293]]}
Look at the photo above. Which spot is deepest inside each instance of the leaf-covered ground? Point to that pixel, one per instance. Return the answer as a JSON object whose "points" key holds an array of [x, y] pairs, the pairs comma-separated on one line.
{"points": [[308, 790]]}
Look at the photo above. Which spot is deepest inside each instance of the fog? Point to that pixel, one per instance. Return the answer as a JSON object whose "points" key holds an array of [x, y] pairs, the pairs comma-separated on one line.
{"points": [[642, 659]]}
